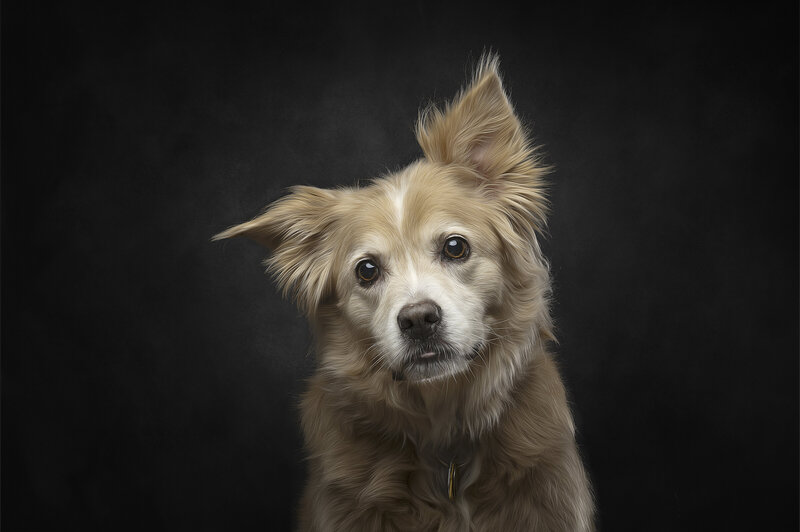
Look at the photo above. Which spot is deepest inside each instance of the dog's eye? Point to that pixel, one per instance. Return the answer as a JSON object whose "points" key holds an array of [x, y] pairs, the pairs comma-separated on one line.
{"points": [[367, 271], [455, 248]]}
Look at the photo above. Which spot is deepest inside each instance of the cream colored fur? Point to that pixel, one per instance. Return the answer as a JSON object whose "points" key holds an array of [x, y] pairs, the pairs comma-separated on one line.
{"points": [[380, 429]]}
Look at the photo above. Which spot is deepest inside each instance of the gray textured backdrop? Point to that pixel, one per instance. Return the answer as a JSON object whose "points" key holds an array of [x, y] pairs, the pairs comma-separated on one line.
{"points": [[150, 377]]}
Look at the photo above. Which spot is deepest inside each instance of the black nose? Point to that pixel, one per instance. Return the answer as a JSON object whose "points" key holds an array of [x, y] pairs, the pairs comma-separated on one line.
{"points": [[419, 320]]}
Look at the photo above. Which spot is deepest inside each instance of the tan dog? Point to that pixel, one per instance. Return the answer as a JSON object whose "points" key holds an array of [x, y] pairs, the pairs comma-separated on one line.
{"points": [[435, 405]]}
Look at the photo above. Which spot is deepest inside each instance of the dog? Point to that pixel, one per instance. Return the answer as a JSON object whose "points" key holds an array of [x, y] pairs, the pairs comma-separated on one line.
{"points": [[435, 404]]}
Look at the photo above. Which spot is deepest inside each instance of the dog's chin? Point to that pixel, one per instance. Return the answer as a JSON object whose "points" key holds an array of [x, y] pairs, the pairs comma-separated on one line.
{"points": [[434, 364]]}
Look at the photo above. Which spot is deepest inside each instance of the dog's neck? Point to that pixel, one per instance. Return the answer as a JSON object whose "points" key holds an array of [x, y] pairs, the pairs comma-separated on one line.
{"points": [[470, 406], [443, 409]]}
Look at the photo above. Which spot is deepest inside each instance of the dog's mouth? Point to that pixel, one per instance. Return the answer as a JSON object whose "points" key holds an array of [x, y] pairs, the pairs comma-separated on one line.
{"points": [[432, 362]]}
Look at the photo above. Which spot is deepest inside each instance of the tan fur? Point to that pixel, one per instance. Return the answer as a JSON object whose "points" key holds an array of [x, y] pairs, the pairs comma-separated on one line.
{"points": [[379, 444]]}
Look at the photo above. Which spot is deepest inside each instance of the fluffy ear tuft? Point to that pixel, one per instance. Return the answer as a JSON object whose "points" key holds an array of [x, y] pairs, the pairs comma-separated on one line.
{"points": [[294, 228], [479, 130]]}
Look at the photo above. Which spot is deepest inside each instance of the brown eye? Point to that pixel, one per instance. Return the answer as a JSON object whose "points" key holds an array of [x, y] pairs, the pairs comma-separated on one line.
{"points": [[455, 248], [367, 271]]}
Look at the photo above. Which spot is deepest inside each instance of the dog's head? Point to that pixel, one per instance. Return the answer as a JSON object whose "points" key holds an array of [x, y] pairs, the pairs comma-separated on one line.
{"points": [[425, 271]]}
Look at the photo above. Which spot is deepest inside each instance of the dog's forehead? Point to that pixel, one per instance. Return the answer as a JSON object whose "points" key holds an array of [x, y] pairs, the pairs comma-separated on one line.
{"points": [[411, 208]]}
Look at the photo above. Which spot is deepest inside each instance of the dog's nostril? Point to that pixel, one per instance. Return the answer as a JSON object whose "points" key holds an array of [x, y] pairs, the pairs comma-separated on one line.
{"points": [[418, 320], [432, 317]]}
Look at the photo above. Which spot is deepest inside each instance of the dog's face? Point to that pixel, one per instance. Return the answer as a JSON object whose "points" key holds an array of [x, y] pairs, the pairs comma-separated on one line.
{"points": [[422, 268], [418, 273]]}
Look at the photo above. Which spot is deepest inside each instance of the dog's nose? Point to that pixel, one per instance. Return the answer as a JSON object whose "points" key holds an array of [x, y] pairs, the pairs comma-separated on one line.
{"points": [[419, 320]]}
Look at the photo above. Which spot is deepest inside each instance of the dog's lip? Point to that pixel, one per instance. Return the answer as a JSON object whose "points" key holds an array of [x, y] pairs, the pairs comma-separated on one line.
{"points": [[429, 356], [429, 362]]}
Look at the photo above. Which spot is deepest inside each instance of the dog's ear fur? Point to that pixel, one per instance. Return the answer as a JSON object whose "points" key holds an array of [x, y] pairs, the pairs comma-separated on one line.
{"points": [[294, 229], [479, 130]]}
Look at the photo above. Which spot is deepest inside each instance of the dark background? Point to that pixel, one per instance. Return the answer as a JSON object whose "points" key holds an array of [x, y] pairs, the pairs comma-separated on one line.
{"points": [[150, 377]]}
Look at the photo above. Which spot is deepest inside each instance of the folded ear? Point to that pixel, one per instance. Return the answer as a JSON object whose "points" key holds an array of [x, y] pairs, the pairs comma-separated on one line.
{"points": [[295, 229], [479, 130]]}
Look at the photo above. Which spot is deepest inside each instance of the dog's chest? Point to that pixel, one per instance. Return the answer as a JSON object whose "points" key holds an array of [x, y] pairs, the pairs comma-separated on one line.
{"points": [[441, 479], [446, 464]]}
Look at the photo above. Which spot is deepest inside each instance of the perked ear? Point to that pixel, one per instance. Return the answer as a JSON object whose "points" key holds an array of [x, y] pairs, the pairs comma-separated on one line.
{"points": [[479, 130], [294, 228]]}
